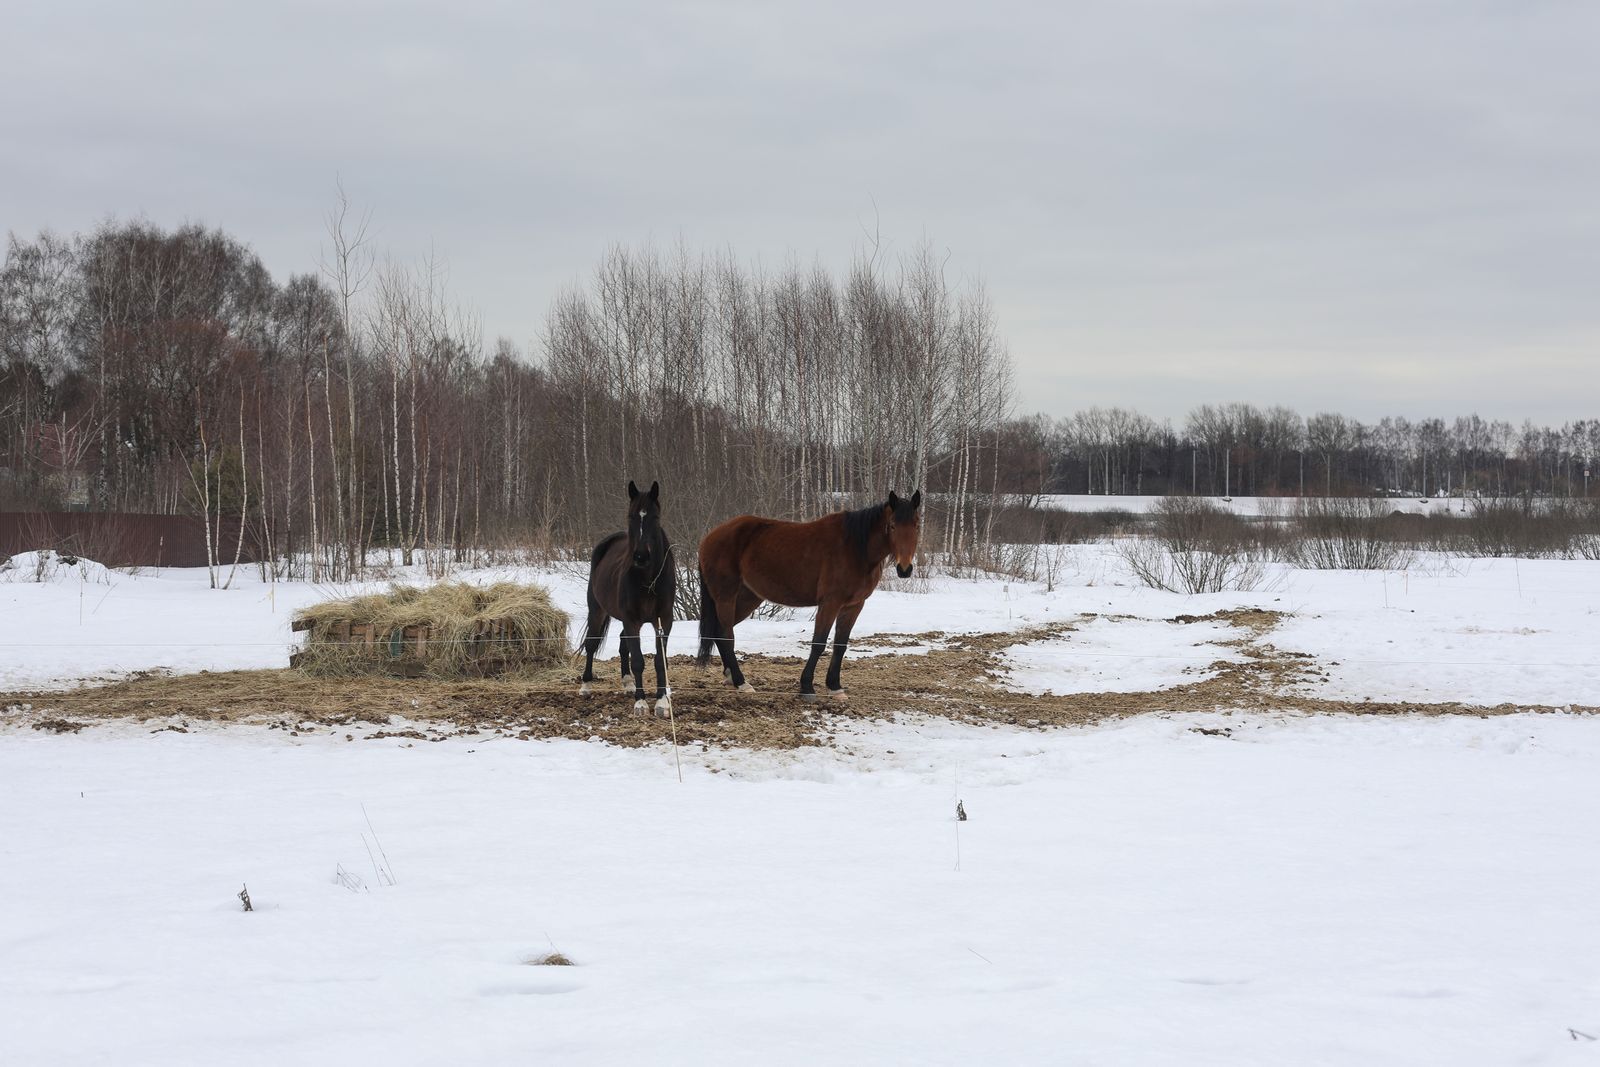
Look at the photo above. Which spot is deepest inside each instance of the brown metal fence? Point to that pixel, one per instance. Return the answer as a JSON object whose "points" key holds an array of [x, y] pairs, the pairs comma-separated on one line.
{"points": [[118, 540]]}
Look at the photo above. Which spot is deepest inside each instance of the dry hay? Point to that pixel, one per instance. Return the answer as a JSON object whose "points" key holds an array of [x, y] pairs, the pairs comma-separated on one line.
{"points": [[461, 630], [962, 678], [551, 959]]}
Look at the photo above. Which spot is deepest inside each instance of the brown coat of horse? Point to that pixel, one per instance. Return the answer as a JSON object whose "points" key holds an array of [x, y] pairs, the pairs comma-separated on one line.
{"points": [[832, 564]]}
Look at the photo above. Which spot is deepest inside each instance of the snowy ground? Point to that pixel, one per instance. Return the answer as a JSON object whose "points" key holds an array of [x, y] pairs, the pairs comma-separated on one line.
{"points": [[1121, 655], [1193, 888], [1305, 891]]}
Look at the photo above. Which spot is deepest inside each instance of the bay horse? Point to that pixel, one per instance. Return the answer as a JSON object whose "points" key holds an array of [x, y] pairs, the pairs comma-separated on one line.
{"points": [[832, 564], [632, 578]]}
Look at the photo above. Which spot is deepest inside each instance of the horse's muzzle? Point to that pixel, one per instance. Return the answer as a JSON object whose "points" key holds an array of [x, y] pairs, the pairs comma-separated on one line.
{"points": [[904, 569]]}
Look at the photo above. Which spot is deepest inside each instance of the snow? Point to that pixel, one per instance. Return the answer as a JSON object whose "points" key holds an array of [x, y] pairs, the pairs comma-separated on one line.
{"points": [[1110, 655], [1197, 887], [48, 566], [1327, 890], [1484, 631]]}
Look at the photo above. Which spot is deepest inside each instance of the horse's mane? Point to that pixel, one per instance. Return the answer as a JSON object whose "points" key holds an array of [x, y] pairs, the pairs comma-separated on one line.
{"points": [[858, 527]]}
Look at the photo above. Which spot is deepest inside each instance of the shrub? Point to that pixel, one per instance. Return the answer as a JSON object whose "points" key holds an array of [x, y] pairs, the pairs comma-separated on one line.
{"points": [[1195, 547], [1344, 533]]}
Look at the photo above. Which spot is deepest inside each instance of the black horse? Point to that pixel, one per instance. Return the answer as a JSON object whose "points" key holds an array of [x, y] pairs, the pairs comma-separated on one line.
{"points": [[632, 578]]}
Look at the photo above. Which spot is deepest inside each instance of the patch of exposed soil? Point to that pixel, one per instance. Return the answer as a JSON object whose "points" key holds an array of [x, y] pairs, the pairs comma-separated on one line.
{"points": [[59, 726], [929, 637], [962, 677]]}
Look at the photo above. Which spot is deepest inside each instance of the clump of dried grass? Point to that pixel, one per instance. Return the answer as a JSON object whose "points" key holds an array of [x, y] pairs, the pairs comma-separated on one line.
{"points": [[551, 959], [472, 629]]}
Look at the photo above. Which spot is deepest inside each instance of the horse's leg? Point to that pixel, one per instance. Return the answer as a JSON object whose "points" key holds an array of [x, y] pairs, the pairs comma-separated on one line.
{"points": [[625, 656], [841, 638], [663, 698], [592, 634], [826, 612], [730, 663], [631, 635]]}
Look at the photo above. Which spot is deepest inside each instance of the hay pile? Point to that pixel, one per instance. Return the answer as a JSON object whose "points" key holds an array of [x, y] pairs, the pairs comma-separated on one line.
{"points": [[450, 630]]}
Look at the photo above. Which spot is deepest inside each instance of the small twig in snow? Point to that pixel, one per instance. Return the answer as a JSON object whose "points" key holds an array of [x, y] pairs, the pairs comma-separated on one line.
{"points": [[388, 867]]}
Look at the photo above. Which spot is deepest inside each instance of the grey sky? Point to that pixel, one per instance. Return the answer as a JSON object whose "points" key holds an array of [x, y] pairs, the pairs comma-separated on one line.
{"points": [[1368, 207]]}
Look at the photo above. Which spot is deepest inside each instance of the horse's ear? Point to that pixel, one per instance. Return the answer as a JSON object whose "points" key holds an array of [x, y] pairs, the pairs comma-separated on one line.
{"points": [[916, 500], [655, 491], [894, 501], [633, 491]]}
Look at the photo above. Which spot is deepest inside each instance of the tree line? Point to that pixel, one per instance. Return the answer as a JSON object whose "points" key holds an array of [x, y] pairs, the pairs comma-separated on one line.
{"points": [[355, 406], [1247, 450]]}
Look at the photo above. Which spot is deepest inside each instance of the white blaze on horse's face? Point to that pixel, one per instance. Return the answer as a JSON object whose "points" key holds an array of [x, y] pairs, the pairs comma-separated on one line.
{"points": [[644, 523]]}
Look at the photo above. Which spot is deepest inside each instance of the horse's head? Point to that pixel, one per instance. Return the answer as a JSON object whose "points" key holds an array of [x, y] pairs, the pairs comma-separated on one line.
{"points": [[902, 518], [646, 543]]}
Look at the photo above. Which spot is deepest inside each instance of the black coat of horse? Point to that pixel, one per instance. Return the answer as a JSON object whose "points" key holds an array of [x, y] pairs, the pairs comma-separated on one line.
{"points": [[632, 578]]}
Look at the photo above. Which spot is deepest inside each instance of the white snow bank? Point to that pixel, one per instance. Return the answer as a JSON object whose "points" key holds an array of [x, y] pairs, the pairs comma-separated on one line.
{"points": [[49, 566]]}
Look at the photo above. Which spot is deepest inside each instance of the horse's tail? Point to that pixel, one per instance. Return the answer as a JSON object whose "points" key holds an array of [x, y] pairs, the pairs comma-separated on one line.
{"points": [[710, 628]]}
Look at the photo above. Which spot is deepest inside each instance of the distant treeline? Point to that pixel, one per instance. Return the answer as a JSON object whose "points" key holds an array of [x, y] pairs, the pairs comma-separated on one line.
{"points": [[1275, 451]]}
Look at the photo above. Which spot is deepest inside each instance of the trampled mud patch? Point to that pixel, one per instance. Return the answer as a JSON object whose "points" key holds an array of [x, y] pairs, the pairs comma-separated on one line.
{"points": [[961, 678]]}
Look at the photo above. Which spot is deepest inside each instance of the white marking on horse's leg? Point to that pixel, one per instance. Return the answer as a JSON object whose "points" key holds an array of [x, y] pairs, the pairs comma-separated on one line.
{"points": [[640, 707], [747, 688], [840, 696], [584, 690], [664, 708]]}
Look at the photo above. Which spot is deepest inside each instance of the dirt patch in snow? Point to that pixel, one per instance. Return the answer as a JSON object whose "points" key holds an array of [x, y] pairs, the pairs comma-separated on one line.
{"points": [[959, 679]]}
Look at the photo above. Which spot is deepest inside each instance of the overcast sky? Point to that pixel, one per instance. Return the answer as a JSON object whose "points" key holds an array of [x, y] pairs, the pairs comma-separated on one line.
{"points": [[1373, 208]]}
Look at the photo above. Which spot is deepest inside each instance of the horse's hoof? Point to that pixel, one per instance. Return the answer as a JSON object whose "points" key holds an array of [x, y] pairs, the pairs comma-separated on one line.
{"points": [[839, 696], [664, 708], [808, 698], [747, 688], [584, 690], [640, 707]]}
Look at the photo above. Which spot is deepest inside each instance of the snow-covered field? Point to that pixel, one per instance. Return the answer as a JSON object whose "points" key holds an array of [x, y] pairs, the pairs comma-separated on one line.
{"points": [[1199, 887]]}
